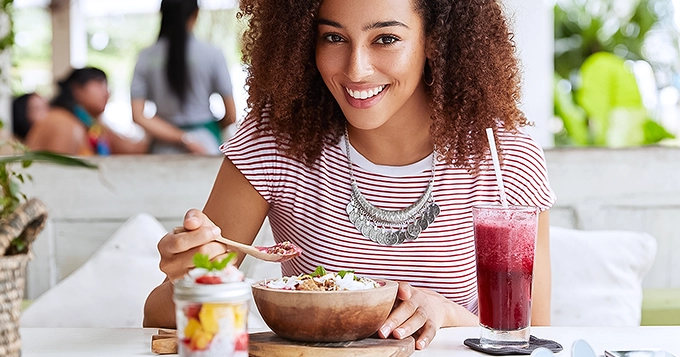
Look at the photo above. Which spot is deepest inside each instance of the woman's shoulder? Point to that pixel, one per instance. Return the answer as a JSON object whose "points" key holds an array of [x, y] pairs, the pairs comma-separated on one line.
{"points": [[60, 121], [60, 116], [518, 141], [253, 133]]}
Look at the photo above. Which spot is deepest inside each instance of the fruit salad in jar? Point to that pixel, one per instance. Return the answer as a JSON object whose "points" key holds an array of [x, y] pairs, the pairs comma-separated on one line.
{"points": [[212, 310]]}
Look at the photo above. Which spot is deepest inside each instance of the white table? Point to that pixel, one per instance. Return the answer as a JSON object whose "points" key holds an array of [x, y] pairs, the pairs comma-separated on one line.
{"points": [[105, 342]]}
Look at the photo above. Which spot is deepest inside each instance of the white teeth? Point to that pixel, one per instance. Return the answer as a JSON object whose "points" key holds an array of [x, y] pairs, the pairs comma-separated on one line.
{"points": [[365, 94]]}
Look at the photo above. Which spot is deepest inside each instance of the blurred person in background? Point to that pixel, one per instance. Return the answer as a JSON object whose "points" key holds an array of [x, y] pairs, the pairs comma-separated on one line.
{"points": [[72, 125], [26, 110], [179, 73]]}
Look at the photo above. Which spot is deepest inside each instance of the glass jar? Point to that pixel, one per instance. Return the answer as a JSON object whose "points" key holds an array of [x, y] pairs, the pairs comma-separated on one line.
{"points": [[212, 318]]}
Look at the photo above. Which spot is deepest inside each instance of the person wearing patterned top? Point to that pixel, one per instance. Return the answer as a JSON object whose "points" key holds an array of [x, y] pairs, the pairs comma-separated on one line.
{"points": [[366, 147]]}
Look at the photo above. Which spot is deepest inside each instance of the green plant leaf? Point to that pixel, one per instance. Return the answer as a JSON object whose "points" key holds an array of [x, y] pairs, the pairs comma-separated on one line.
{"points": [[48, 157], [573, 116], [606, 84], [654, 132]]}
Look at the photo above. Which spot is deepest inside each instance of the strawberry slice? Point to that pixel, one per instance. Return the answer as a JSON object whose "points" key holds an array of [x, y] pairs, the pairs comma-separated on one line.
{"points": [[241, 342], [208, 279], [191, 311]]}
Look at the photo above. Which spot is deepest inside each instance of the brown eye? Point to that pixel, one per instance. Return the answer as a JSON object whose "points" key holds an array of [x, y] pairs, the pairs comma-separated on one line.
{"points": [[333, 38], [387, 40]]}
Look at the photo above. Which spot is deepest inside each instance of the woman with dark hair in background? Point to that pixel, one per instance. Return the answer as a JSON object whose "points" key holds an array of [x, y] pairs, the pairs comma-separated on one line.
{"points": [[26, 110], [72, 124], [179, 73]]}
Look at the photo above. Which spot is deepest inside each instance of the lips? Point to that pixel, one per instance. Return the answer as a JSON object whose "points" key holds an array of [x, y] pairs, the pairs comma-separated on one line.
{"points": [[365, 98]]}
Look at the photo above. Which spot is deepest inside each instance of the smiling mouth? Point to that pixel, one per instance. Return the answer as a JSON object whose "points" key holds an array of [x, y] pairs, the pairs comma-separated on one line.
{"points": [[365, 94]]}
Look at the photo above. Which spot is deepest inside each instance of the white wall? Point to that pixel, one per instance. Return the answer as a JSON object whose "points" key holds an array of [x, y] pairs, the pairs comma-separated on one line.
{"points": [[532, 22]]}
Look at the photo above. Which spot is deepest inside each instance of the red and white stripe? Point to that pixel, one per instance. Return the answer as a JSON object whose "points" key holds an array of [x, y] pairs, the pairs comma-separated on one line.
{"points": [[307, 207]]}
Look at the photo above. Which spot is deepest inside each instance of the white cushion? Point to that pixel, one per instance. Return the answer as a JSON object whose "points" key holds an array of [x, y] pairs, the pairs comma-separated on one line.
{"points": [[109, 290], [597, 276]]}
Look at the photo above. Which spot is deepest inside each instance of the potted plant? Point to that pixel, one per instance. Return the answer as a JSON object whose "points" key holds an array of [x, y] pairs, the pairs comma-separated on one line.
{"points": [[21, 220]]}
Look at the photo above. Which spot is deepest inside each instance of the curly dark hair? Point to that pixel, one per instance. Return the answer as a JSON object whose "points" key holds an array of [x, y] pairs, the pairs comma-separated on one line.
{"points": [[476, 82]]}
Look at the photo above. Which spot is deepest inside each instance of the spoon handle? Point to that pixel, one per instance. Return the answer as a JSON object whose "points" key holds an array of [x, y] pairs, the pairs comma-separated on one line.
{"points": [[243, 248]]}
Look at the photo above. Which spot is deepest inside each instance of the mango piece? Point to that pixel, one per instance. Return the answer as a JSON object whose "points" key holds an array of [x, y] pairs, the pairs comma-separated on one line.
{"points": [[201, 340], [240, 316], [210, 316], [191, 328]]}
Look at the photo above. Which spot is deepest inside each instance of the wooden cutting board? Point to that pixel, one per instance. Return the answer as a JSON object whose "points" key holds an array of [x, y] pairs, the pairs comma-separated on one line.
{"points": [[267, 344]]}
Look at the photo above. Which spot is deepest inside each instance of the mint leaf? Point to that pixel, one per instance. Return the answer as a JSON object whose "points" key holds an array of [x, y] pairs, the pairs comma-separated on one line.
{"points": [[320, 271], [224, 262], [342, 273], [202, 261]]}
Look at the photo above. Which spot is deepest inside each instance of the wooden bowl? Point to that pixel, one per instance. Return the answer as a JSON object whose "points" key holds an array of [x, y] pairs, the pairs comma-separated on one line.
{"points": [[325, 316]]}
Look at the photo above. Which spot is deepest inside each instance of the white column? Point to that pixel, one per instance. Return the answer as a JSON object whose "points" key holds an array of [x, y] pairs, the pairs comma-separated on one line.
{"points": [[532, 23], [5, 68], [69, 37]]}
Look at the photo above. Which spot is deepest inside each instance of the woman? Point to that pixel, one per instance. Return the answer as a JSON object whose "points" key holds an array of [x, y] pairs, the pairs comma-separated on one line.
{"points": [[26, 110], [72, 124], [385, 100], [179, 73]]}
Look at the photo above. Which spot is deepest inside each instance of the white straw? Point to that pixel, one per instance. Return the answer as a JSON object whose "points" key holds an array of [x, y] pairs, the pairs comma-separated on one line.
{"points": [[496, 166]]}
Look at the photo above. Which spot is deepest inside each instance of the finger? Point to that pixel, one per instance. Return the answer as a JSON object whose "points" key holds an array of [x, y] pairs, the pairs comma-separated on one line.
{"points": [[175, 243], [177, 266], [415, 320], [195, 219], [404, 292], [426, 335], [402, 312]]}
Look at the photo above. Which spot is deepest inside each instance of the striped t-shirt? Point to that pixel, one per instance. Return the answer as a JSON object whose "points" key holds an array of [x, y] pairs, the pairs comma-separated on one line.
{"points": [[308, 208]]}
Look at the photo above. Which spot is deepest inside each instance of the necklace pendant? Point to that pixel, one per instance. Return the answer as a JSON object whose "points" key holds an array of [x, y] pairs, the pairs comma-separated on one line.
{"points": [[390, 227]]}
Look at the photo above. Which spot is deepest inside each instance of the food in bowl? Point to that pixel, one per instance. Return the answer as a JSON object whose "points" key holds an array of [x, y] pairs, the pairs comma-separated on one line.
{"points": [[299, 312], [321, 280]]}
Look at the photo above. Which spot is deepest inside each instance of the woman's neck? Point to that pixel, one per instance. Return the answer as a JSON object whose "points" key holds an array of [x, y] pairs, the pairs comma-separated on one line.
{"points": [[402, 140]]}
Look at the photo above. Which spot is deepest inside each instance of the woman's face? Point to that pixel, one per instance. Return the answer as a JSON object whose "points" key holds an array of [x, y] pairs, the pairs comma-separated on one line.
{"points": [[371, 56], [36, 108], [92, 96]]}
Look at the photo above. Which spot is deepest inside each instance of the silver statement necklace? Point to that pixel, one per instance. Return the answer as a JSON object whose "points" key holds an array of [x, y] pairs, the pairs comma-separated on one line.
{"points": [[390, 227]]}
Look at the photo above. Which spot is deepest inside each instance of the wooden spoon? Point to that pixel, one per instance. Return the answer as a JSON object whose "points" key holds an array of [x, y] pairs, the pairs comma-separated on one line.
{"points": [[279, 252]]}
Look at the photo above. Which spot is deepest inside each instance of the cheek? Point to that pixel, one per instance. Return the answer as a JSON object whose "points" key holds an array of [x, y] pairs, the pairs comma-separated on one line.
{"points": [[324, 65]]}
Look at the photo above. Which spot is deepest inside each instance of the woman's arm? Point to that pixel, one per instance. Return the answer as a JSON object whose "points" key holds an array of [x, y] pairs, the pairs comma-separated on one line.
{"points": [[162, 130], [234, 209], [229, 112], [540, 297], [122, 145]]}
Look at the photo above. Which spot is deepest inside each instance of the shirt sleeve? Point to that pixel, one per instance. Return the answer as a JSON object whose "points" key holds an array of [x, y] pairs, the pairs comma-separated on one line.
{"points": [[524, 171], [255, 155], [139, 87], [221, 79]]}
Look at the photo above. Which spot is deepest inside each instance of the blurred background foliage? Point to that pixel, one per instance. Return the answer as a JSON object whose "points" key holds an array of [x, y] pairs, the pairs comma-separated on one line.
{"points": [[616, 72]]}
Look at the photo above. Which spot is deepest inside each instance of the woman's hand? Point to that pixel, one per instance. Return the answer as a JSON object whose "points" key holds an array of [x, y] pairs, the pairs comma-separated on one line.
{"points": [[421, 312], [177, 249]]}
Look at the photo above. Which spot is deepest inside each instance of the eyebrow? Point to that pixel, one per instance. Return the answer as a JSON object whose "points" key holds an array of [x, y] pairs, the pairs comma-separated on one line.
{"points": [[375, 25]]}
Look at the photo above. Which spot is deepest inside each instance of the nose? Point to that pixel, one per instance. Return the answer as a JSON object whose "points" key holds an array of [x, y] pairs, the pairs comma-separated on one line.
{"points": [[359, 64]]}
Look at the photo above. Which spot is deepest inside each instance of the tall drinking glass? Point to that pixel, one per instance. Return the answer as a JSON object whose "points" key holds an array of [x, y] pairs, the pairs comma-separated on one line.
{"points": [[505, 240]]}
